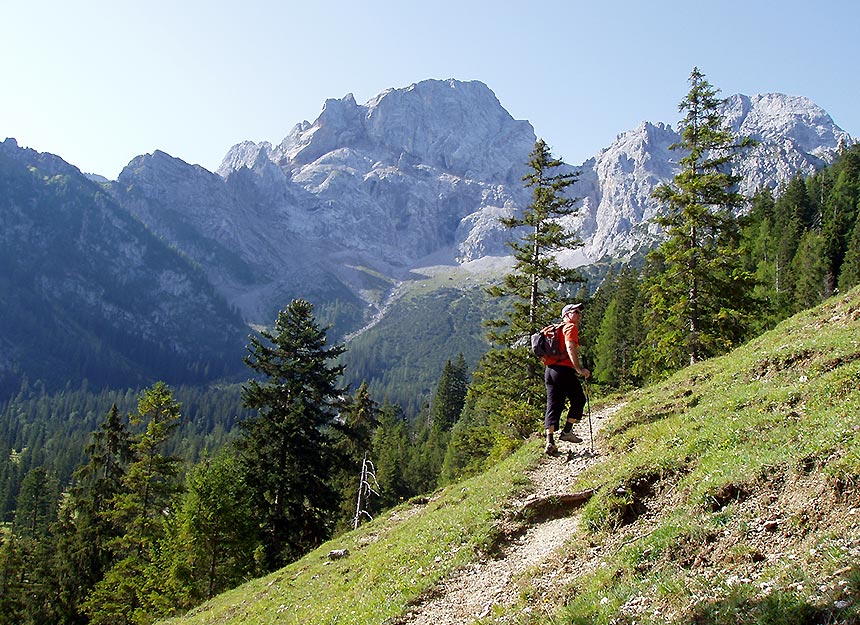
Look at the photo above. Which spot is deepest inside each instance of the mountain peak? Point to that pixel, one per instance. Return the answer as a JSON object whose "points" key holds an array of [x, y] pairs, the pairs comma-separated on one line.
{"points": [[427, 170], [458, 127], [776, 118]]}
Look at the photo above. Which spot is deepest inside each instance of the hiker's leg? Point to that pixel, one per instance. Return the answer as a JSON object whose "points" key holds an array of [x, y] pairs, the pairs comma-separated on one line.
{"points": [[573, 392], [555, 400], [577, 400]]}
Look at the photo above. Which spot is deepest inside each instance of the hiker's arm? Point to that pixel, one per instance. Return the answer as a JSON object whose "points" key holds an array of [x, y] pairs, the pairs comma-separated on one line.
{"points": [[573, 352]]}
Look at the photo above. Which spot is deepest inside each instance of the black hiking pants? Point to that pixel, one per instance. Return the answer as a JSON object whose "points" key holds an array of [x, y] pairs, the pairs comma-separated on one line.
{"points": [[562, 385]]}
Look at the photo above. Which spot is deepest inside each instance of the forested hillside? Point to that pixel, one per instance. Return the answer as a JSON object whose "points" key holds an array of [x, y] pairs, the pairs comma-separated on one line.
{"points": [[725, 494], [42, 430], [158, 502], [798, 246]]}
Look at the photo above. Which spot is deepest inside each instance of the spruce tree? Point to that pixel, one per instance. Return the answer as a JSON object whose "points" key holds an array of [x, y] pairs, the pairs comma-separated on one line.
{"points": [[533, 283], [810, 268], [450, 395], [620, 332], [13, 574], [761, 234], [132, 590], [849, 276], [700, 301], [391, 451], [288, 457], [34, 517], [87, 534], [840, 195], [508, 377]]}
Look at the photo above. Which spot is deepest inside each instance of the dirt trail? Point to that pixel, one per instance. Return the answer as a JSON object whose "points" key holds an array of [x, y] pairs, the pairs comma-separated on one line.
{"points": [[472, 592]]}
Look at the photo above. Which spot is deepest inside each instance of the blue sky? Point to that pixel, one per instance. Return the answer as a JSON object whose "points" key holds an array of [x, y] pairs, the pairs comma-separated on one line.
{"points": [[100, 82]]}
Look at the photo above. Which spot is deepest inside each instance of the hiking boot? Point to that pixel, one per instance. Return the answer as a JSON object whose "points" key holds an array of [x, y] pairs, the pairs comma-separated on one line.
{"points": [[570, 437], [550, 449]]}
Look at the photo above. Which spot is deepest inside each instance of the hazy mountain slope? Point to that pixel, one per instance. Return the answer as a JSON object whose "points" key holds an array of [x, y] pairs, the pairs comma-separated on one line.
{"points": [[726, 494], [427, 323], [89, 292]]}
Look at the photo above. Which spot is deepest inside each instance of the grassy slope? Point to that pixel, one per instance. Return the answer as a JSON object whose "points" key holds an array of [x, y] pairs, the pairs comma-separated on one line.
{"points": [[731, 495]]}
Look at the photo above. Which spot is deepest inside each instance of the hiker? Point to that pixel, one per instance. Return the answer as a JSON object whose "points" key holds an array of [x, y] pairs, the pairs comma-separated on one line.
{"points": [[562, 383]]}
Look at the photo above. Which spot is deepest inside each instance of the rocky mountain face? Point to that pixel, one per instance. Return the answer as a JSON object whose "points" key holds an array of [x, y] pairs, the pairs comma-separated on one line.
{"points": [[794, 136], [346, 206], [343, 208]]}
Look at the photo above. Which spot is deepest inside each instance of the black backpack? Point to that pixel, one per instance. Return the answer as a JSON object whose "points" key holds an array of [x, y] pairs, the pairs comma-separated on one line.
{"points": [[548, 341]]}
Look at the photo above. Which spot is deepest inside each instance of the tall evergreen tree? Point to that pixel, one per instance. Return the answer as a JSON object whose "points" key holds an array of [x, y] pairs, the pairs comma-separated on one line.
{"points": [[132, 591], [761, 234], [390, 449], [13, 567], [433, 430], [620, 332], [810, 268], [508, 377], [794, 215], [450, 394], [840, 195], [849, 276], [698, 302], [533, 283], [287, 455], [35, 515], [86, 531], [37, 505]]}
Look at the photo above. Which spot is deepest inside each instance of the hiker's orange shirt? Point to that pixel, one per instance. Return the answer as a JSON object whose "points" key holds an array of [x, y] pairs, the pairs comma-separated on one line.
{"points": [[571, 333]]}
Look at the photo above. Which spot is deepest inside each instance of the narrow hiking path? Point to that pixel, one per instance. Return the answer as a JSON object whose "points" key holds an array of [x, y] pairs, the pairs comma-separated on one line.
{"points": [[472, 592]]}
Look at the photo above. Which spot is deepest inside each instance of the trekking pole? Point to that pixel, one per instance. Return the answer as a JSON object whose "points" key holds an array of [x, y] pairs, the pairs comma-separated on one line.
{"points": [[588, 404]]}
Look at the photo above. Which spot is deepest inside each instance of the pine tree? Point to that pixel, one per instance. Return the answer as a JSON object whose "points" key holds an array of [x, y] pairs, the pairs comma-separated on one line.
{"points": [[288, 458], [698, 301], [840, 196], [35, 515], [811, 273], [761, 234], [86, 531], [150, 481], [13, 567], [390, 449], [450, 395], [620, 332], [37, 505], [849, 276]]}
